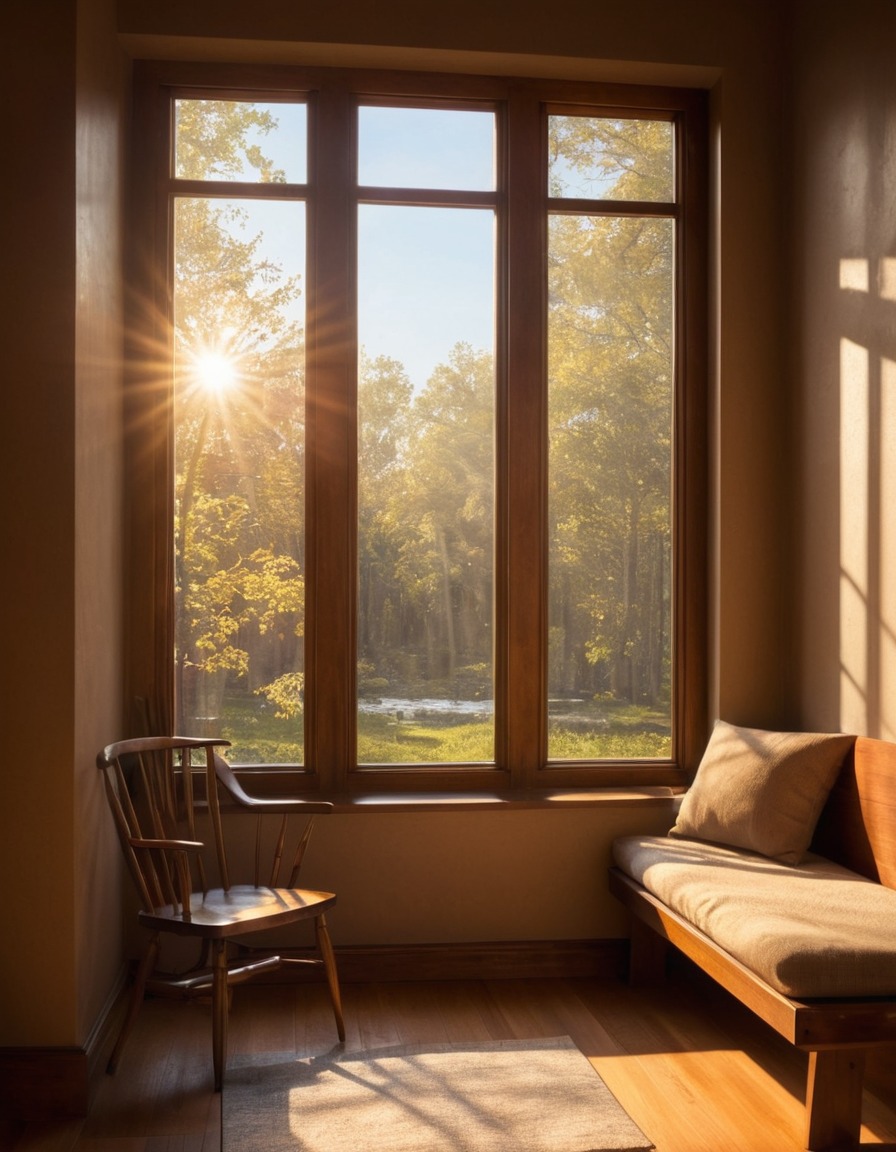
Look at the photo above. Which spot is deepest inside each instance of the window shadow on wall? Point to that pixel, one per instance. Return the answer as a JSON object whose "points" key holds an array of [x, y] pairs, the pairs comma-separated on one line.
{"points": [[867, 512]]}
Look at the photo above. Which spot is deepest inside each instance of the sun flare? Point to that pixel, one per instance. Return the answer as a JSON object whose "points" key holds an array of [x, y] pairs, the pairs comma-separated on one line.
{"points": [[216, 372]]}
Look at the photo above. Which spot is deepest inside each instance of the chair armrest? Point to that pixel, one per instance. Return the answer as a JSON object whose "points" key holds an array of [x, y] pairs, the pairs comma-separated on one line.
{"points": [[165, 845], [280, 805]]}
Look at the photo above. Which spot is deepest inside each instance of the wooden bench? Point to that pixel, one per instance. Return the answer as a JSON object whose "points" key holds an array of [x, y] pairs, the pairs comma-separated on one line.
{"points": [[857, 829]]}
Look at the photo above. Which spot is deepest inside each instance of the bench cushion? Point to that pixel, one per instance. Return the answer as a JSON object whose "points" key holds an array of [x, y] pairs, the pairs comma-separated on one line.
{"points": [[811, 930]]}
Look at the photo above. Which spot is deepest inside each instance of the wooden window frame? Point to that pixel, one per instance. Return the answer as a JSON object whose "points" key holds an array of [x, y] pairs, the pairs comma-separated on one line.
{"points": [[521, 199]]}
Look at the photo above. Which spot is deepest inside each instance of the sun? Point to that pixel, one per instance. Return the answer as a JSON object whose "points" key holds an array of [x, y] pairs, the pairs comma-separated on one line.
{"points": [[216, 372]]}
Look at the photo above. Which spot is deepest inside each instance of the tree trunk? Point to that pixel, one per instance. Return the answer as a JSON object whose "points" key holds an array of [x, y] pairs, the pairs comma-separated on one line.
{"points": [[450, 640]]}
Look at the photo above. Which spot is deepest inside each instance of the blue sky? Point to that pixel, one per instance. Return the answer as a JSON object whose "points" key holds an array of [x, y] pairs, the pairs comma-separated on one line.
{"points": [[426, 275]]}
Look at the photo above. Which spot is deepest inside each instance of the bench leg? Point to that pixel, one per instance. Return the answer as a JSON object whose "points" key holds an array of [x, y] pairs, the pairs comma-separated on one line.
{"points": [[647, 955], [834, 1099]]}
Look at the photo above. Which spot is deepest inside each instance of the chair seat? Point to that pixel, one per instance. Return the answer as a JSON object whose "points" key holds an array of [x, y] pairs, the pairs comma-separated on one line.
{"points": [[220, 914]]}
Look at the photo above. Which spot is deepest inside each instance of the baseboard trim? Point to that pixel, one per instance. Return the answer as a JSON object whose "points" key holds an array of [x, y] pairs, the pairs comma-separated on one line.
{"points": [[495, 960], [44, 1083], [59, 1083]]}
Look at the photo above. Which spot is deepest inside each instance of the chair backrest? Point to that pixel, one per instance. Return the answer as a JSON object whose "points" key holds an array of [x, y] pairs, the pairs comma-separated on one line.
{"points": [[164, 788]]}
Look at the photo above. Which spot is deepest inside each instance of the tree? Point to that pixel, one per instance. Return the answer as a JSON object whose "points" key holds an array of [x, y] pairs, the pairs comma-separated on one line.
{"points": [[239, 551], [610, 341], [448, 512], [426, 514], [384, 419]]}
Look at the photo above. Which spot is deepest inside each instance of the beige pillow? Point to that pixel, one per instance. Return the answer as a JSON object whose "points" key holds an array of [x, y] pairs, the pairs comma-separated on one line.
{"points": [[762, 791]]}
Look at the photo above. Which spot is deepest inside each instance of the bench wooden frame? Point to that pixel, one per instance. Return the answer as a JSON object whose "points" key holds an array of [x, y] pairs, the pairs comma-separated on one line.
{"points": [[858, 830]]}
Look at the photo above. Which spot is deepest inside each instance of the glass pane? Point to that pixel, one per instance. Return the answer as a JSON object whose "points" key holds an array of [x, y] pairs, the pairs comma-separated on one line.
{"points": [[239, 474], [240, 140], [595, 158], [610, 344], [426, 148], [426, 485]]}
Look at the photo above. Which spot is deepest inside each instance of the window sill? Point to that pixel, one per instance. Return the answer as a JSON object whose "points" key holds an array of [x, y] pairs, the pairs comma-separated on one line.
{"points": [[472, 802], [641, 797]]}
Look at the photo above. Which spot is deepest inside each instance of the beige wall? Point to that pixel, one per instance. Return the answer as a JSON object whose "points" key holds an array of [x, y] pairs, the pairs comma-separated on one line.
{"points": [[689, 33], [521, 875], [61, 467], [37, 428], [61, 572], [101, 123], [844, 340]]}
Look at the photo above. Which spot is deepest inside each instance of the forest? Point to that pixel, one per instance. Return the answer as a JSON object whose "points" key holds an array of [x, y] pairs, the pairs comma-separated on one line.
{"points": [[426, 502]]}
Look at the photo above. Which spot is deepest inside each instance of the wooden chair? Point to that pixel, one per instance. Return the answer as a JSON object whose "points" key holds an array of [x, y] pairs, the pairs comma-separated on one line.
{"points": [[161, 800]]}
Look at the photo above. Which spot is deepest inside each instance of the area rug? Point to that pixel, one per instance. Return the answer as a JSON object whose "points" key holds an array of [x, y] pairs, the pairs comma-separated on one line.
{"points": [[503, 1096]]}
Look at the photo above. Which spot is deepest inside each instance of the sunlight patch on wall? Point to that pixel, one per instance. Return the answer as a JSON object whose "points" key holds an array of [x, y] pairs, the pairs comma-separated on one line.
{"points": [[886, 279], [854, 274], [888, 548], [854, 511]]}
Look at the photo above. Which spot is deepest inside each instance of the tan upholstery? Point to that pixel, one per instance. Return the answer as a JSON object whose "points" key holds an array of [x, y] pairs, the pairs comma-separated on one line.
{"points": [[810, 930], [762, 791]]}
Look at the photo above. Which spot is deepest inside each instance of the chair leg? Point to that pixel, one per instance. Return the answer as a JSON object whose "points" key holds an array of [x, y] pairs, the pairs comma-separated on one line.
{"points": [[144, 971], [325, 948], [220, 1005]]}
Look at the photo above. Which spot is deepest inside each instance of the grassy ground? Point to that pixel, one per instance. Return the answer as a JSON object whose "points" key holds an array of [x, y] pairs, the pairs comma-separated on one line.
{"points": [[608, 731]]}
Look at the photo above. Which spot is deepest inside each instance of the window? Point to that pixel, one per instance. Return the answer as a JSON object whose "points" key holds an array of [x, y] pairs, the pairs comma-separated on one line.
{"points": [[611, 385], [417, 426]]}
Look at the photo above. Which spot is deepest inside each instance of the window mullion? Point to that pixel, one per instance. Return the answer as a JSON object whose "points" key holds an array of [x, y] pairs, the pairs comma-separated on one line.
{"points": [[331, 405], [691, 452], [522, 726], [149, 593]]}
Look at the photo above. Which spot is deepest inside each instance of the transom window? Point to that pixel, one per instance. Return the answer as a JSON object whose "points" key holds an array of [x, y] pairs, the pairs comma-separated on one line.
{"points": [[418, 423]]}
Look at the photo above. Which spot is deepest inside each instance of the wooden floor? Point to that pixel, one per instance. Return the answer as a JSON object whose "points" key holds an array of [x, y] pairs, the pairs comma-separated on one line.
{"points": [[695, 1071]]}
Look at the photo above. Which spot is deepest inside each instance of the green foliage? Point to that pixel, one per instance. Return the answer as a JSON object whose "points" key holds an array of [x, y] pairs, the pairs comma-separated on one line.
{"points": [[566, 745], [611, 158], [426, 499], [373, 686], [385, 740], [605, 729], [610, 368], [285, 693], [239, 449], [214, 140]]}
